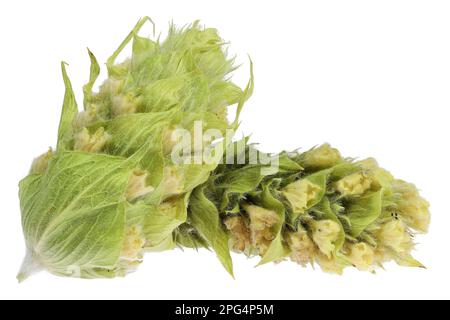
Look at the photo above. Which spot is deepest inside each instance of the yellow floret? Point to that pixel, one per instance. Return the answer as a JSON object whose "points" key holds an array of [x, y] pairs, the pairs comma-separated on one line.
{"points": [[84, 141], [85, 118], [40, 163], [133, 244], [325, 233], [361, 255], [380, 177], [169, 141], [303, 249], [393, 234], [240, 233], [112, 86], [300, 194], [353, 185], [322, 157], [123, 104], [413, 207], [173, 181], [261, 223], [137, 185], [381, 255], [330, 264]]}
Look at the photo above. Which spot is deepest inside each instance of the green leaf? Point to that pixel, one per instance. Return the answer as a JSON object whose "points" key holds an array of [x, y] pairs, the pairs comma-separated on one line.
{"points": [[187, 236], [277, 249], [166, 94], [142, 46], [161, 220], [196, 97], [204, 217], [324, 207], [142, 49], [320, 179], [111, 60], [94, 72], [286, 164], [364, 211], [248, 91], [342, 170], [407, 260], [73, 215], [196, 174], [130, 132], [305, 193], [239, 181], [242, 180], [68, 113], [28, 189], [224, 93], [135, 213]]}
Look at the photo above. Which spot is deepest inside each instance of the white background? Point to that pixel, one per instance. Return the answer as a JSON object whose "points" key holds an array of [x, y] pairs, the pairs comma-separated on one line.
{"points": [[370, 77]]}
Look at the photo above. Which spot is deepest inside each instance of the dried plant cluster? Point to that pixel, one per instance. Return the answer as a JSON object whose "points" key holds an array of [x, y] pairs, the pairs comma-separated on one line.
{"points": [[110, 190]]}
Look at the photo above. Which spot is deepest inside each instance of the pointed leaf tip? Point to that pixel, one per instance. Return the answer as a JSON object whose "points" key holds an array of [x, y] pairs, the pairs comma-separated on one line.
{"points": [[29, 267]]}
